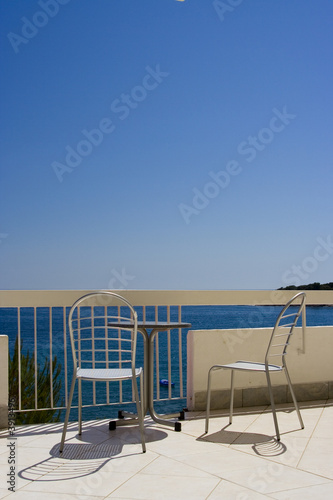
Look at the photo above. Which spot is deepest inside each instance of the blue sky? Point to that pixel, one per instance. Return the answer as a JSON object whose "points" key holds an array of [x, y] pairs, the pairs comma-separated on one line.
{"points": [[161, 144]]}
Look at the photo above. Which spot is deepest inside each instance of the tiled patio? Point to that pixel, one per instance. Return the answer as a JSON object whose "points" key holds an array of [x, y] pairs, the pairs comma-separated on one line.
{"points": [[241, 462]]}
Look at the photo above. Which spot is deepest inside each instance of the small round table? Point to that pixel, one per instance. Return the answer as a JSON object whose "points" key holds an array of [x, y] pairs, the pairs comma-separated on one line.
{"points": [[154, 327]]}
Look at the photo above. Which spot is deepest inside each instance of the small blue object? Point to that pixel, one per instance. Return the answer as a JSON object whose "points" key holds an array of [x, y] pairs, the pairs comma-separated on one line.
{"points": [[166, 382]]}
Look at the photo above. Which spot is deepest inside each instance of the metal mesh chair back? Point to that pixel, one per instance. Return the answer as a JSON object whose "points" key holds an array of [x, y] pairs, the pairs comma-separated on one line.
{"points": [[95, 344], [284, 328]]}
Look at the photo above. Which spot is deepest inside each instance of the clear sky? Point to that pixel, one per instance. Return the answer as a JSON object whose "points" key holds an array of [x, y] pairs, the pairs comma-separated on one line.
{"points": [[163, 144]]}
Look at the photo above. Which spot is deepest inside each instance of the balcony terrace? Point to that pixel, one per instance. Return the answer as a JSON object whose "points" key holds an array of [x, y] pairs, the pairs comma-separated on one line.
{"points": [[242, 461]]}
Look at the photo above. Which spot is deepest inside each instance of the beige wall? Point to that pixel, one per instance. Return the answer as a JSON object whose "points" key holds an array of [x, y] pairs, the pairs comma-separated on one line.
{"points": [[208, 347], [3, 381], [31, 298]]}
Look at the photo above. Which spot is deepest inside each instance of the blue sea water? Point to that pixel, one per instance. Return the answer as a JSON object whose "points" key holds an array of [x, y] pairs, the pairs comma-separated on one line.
{"points": [[200, 317]]}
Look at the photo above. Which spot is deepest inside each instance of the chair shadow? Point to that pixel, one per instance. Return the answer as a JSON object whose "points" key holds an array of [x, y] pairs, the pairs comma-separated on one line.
{"points": [[80, 459], [262, 444], [79, 464]]}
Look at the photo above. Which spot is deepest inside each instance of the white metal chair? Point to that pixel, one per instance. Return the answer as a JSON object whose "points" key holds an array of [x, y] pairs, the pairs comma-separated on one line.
{"points": [[277, 347], [101, 352]]}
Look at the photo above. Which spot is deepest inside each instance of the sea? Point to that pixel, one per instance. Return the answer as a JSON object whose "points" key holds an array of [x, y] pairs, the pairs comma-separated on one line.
{"points": [[200, 317]]}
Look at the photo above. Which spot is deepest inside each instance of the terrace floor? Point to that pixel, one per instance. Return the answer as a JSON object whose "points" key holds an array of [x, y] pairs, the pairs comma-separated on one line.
{"points": [[242, 461]]}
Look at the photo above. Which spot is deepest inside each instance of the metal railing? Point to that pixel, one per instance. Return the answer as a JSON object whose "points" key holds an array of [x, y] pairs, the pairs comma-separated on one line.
{"points": [[43, 332], [39, 321]]}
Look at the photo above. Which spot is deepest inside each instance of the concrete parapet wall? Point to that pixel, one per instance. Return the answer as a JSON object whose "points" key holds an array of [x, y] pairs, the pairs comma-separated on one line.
{"points": [[311, 371], [60, 298], [3, 381]]}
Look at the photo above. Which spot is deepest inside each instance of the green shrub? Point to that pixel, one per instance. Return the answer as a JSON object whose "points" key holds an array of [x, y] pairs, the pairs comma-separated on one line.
{"points": [[28, 387]]}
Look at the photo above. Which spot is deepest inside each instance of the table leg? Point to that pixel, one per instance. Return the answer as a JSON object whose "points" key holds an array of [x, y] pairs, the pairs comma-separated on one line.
{"points": [[160, 419], [132, 417]]}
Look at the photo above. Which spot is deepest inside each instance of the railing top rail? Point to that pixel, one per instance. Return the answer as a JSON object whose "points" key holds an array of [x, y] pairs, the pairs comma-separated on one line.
{"points": [[63, 298]]}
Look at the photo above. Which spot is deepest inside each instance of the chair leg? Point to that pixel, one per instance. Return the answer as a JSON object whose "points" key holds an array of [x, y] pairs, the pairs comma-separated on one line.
{"points": [[273, 405], [139, 409], [294, 397], [208, 399], [80, 406], [231, 397], [67, 414], [142, 408]]}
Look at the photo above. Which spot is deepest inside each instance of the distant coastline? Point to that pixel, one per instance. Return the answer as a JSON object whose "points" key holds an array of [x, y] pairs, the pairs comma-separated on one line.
{"points": [[311, 286]]}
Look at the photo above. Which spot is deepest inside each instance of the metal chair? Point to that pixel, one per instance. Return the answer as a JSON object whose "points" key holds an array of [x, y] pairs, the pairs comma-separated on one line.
{"points": [[101, 352], [277, 347]]}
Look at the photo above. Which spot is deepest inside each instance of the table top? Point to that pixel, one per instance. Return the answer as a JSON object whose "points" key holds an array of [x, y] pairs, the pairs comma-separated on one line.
{"points": [[161, 325]]}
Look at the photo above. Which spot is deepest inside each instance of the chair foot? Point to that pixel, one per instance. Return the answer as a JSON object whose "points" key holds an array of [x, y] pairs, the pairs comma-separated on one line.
{"points": [[112, 425], [178, 426], [182, 415]]}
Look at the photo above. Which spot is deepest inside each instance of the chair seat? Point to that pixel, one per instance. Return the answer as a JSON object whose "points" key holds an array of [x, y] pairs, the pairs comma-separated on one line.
{"points": [[107, 373], [249, 365]]}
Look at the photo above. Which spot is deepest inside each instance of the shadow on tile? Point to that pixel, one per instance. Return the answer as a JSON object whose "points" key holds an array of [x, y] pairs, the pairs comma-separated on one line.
{"points": [[236, 437], [262, 444], [80, 459], [52, 470]]}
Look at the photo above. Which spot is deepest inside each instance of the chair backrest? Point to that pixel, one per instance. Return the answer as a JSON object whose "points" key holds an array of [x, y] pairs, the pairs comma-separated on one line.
{"points": [[96, 344], [283, 329]]}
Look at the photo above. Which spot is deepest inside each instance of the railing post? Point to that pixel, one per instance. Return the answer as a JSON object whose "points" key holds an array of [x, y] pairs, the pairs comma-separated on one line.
{"points": [[4, 381]]}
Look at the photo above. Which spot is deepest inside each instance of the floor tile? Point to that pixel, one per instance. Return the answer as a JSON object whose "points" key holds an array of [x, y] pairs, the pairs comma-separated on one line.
{"points": [[228, 490], [220, 430], [19, 481], [103, 481], [318, 457], [219, 461], [272, 477], [4, 493], [35, 495], [27, 456], [287, 421], [164, 465], [165, 487], [309, 493], [288, 451], [178, 444], [127, 462], [324, 427]]}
